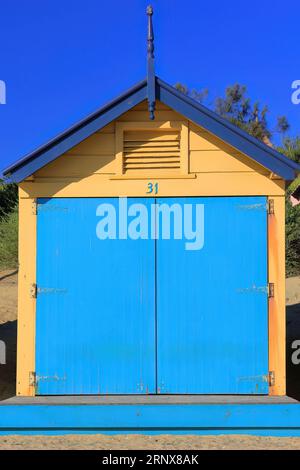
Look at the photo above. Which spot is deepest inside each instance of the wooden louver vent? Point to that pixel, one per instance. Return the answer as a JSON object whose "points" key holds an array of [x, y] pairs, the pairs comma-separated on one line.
{"points": [[151, 150]]}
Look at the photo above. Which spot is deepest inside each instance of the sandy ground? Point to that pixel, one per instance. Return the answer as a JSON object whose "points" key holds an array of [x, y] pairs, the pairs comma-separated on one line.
{"points": [[8, 330], [140, 442], [292, 286]]}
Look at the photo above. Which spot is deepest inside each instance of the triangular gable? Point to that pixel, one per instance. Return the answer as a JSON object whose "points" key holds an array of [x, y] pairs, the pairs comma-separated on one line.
{"points": [[192, 110]]}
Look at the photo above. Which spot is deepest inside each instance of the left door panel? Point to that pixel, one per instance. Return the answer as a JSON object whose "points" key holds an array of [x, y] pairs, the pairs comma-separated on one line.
{"points": [[95, 312]]}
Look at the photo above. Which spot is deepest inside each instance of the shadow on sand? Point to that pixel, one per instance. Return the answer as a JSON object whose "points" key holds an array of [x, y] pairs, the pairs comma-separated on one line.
{"points": [[8, 334]]}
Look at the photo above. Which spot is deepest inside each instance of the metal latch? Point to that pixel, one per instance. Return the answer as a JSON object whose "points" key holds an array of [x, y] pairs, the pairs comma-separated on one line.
{"points": [[271, 290], [271, 210], [32, 379], [271, 378], [33, 291]]}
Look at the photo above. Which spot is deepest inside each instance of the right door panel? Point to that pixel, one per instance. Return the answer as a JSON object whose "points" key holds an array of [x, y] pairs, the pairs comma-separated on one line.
{"points": [[212, 303]]}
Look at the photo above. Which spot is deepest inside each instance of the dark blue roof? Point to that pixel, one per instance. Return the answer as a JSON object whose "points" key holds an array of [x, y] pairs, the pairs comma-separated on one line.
{"points": [[191, 109]]}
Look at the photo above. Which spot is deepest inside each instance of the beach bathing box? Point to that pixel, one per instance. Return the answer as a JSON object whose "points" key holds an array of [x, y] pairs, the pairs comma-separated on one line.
{"points": [[152, 253]]}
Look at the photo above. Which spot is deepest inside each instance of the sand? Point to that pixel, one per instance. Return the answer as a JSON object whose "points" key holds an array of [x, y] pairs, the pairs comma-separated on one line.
{"points": [[141, 442]]}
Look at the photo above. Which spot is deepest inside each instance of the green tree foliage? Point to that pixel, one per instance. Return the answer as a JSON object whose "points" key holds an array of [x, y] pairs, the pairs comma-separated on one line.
{"points": [[291, 148], [282, 124], [236, 106], [8, 199], [9, 241], [198, 95], [8, 225]]}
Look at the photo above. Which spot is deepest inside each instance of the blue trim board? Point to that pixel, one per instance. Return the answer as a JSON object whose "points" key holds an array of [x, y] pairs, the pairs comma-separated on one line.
{"points": [[192, 110], [256, 419]]}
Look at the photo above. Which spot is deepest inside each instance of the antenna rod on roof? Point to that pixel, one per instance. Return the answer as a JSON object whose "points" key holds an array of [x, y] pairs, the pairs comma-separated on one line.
{"points": [[150, 64]]}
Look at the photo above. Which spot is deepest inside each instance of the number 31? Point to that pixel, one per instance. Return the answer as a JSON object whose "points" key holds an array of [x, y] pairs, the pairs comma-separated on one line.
{"points": [[152, 188]]}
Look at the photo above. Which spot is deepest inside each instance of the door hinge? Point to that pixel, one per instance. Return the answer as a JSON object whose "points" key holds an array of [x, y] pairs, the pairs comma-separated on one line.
{"points": [[271, 290], [33, 291], [271, 378], [34, 207], [271, 210], [32, 379]]}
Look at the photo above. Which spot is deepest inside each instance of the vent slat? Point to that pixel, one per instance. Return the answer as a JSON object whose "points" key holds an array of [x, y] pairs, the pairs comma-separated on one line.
{"points": [[151, 150], [151, 136], [150, 154], [151, 166], [143, 158], [150, 162], [157, 144]]}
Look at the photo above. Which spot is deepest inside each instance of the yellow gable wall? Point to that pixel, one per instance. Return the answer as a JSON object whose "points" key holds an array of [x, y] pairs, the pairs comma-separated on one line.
{"points": [[89, 170], [215, 167]]}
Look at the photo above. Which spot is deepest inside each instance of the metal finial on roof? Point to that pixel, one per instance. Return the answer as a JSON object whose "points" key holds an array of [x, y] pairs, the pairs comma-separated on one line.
{"points": [[150, 37], [150, 64]]}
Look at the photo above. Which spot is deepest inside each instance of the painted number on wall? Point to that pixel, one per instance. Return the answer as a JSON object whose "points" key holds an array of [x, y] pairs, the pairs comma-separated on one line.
{"points": [[152, 188]]}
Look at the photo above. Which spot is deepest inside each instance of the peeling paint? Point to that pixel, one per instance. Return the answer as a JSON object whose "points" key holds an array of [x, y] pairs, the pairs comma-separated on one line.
{"points": [[51, 208], [254, 288], [49, 378], [251, 207], [51, 290], [255, 378]]}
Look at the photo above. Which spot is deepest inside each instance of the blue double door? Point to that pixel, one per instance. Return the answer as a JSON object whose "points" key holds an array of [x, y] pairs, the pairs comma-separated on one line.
{"points": [[123, 309]]}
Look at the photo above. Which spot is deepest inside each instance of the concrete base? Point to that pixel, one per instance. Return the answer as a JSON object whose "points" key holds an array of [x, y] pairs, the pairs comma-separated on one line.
{"points": [[148, 400]]}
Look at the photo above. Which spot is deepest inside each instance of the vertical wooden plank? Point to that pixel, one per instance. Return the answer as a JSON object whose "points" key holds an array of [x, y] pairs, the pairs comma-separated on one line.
{"points": [[119, 148], [26, 304], [277, 320], [184, 148]]}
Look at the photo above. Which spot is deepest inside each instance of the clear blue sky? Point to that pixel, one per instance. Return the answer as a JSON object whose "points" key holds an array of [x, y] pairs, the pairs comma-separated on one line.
{"points": [[63, 59]]}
